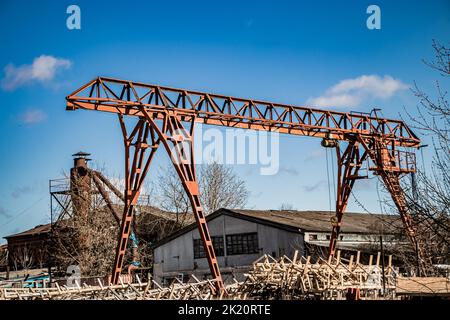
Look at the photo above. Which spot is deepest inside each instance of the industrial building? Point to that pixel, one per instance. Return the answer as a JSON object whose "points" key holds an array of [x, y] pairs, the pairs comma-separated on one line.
{"points": [[242, 236], [32, 248], [29, 249]]}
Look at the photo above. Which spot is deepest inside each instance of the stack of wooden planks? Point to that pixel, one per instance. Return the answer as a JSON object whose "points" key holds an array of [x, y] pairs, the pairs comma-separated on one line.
{"points": [[299, 278]]}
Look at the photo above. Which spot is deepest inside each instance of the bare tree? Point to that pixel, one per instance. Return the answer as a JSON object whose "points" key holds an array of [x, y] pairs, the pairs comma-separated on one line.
{"points": [[428, 195], [88, 241], [286, 206], [221, 188], [3, 256], [22, 257], [170, 193]]}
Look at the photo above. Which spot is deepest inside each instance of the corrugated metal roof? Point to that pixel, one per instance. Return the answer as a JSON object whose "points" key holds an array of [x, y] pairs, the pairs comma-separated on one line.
{"points": [[301, 221], [43, 228], [146, 210], [321, 220]]}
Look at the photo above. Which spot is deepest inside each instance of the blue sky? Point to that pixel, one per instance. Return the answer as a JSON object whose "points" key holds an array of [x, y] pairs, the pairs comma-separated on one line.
{"points": [[288, 52]]}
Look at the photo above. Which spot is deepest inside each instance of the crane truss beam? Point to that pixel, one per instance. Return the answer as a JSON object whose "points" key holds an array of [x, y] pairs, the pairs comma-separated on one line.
{"points": [[127, 98]]}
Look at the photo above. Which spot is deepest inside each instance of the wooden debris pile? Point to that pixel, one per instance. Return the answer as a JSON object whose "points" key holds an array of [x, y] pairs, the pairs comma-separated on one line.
{"points": [[300, 278], [269, 278], [199, 290]]}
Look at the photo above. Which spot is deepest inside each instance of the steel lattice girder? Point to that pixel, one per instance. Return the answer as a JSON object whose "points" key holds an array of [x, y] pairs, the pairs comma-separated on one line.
{"points": [[127, 97]]}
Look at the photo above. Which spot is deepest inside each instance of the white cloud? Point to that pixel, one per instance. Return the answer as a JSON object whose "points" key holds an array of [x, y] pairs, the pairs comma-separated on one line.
{"points": [[42, 69], [351, 92], [32, 116], [314, 187]]}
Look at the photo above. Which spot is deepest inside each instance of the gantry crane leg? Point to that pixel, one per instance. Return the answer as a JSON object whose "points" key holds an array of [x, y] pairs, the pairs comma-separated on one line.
{"points": [[349, 164], [388, 165], [140, 139], [392, 182], [178, 141]]}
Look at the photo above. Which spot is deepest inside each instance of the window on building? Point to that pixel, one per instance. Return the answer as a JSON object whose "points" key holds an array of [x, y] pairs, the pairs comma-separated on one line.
{"points": [[243, 243], [199, 251], [313, 237]]}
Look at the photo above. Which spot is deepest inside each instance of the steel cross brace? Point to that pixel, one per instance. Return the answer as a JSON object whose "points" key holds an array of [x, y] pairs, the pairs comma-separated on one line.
{"points": [[392, 182]]}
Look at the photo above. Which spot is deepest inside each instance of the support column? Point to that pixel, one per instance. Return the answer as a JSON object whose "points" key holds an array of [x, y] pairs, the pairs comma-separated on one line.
{"points": [[348, 165], [392, 182], [387, 165], [140, 139], [179, 143]]}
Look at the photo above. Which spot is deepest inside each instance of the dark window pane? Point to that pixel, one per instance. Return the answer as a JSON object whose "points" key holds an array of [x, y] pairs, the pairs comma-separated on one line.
{"points": [[242, 243], [199, 251]]}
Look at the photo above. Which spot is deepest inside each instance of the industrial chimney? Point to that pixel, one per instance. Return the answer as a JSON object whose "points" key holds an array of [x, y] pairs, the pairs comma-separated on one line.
{"points": [[80, 184]]}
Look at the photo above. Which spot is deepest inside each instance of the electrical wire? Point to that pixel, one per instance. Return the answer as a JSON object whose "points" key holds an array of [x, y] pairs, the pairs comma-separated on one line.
{"points": [[23, 211], [328, 178], [381, 207], [382, 219], [333, 175]]}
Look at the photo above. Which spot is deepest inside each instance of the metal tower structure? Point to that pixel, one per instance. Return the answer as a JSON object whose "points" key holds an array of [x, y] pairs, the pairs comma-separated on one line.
{"points": [[167, 115]]}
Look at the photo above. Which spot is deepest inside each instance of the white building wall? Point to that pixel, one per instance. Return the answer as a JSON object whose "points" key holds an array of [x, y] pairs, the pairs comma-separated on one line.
{"points": [[347, 239], [177, 255]]}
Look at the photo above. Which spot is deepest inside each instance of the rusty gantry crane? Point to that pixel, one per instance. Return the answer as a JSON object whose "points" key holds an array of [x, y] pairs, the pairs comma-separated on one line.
{"points": [[167, 115]]}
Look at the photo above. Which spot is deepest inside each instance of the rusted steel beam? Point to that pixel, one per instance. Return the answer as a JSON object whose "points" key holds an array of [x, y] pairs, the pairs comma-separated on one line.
{"points": [[349, 165], [116, 191], [392, 182], [105, 196], [178, 142], [106, 94], [141, 139]]}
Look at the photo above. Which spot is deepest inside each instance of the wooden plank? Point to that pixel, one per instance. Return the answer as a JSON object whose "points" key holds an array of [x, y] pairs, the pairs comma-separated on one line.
{"points": [[423, 286]]}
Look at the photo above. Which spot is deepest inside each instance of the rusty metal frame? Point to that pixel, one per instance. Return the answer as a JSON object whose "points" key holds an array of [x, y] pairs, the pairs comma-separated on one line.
{"points": [[349, 163], [173, 107], [178, 141], [388, 168], [141, 138], [106, 94]]}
